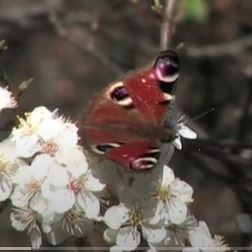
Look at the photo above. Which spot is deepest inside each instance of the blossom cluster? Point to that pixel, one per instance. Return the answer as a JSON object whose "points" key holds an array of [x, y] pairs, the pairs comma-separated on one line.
{"points": [[53, 186], [49, 183]]}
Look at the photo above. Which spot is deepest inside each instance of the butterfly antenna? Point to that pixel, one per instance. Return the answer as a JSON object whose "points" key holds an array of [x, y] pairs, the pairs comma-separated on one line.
{"points": [[203, 114]]}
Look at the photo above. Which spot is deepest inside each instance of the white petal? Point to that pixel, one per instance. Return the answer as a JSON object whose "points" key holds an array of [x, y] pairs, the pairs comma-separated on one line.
{"points": [[190, 249], [177, 211], [177, 143], [5, 187], [36, 237], [89, 204], [115, 249], [20, 197], [154, 235], [27, 146], [158, 214], [109, 235], [200, 236], [23, 175], [185, 132], [62, 200], [128, 238], [168, 176], [69, 136], [57, 175], [115, 216], [17, 222], [38, 203], [39, 114], [77, 163], [8, 149], [182, 190], [93, 184], [50, 129], [40, 166]]}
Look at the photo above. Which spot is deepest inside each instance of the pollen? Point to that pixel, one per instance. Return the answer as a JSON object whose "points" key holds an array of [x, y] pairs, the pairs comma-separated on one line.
{"points": [[34, 186], [50, 148], [135, 217], [3, 163], [164, 193], [76, 185], [27, 125]]}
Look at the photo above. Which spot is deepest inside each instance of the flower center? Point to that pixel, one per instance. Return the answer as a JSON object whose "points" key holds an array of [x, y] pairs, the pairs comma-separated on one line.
{"points": [[50, 148], [76, 185], [72, 221], [34, 186], [3, 163], [27, 124], [135, 217], [164, 193]]}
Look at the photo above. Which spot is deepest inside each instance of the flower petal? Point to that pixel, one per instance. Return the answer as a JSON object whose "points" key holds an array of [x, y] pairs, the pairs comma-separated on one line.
{"points": [[35, 237], [177, 211], [200, 237], [89, 204], [17, 219], [5, 187], [168, 176], [109, 235], [128, 238], [182, 190], [77, 163], [177, 143], [62, 200], [92, 183], [185, 132], [40, 166], [115, 216], [154, 235], [21, 196], [57, 176], [115, 249]]}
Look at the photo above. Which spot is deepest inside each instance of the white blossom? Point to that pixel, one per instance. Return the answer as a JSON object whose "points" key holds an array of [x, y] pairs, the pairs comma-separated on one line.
{"points": [[171, 197], [29, 180], [25, 136], [8, 168], [72, 184], [6, 99], [129, 225], [201, 239], [45, 132], [185, 132], [25, 219]]}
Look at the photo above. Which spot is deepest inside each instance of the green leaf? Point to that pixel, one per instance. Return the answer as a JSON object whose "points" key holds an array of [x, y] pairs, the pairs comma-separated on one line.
{"points": [[197, 10]]}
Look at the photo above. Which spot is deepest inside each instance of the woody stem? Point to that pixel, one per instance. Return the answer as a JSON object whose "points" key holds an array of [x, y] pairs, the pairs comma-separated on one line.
{"points": [[167, 26]]}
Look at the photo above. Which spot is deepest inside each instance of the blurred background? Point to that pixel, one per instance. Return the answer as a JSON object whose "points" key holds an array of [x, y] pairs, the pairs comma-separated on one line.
{"points": [[72, 49]]}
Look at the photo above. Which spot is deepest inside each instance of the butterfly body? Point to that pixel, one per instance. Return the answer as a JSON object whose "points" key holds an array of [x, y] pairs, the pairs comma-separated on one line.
{"points": [[125, 123]]}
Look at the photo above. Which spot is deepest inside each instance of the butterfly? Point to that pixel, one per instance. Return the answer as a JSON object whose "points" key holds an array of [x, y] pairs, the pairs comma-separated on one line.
{"points": [[128, 121]]}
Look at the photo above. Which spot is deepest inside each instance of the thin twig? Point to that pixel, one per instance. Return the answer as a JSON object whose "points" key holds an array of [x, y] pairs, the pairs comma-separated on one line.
{"points": [[80, 45], [228, 49], [167, 27]]}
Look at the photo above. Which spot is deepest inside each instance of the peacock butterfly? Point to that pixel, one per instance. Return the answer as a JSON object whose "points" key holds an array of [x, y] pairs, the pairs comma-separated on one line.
{"points": [[126, 122]]}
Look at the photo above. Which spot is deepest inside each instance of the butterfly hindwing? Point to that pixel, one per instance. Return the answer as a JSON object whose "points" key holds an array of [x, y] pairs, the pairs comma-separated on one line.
{"points": [[136, 156]]}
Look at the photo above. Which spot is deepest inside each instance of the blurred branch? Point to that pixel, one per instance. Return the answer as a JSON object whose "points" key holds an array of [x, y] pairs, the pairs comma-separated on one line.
{"points": [[83, 46], [167, 26], [228, 49]]}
